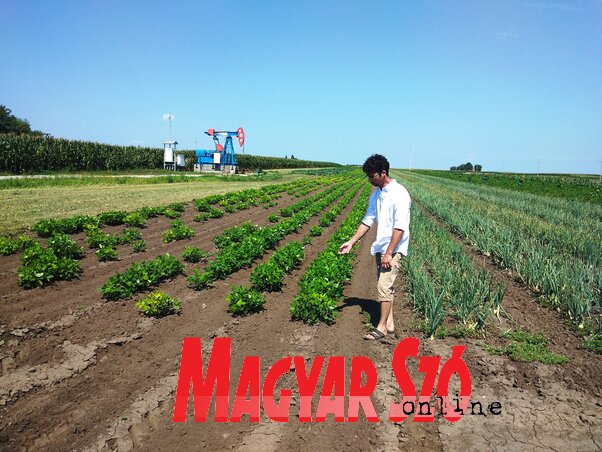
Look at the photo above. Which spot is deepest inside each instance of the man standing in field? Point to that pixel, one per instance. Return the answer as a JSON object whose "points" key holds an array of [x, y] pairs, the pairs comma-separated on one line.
{"points": [[389, 206]]}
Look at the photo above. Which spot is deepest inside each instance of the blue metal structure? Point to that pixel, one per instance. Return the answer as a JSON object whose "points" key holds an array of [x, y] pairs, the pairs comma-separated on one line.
{"points": [[224, 157], [204, 157]]}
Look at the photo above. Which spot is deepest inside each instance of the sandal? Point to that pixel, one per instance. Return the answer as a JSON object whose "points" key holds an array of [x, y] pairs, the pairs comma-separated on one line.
{"points": [[392, 332], [374, 335]]}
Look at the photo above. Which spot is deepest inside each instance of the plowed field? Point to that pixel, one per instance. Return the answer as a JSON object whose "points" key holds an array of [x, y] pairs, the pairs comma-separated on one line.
{"points": [[82, 373]]}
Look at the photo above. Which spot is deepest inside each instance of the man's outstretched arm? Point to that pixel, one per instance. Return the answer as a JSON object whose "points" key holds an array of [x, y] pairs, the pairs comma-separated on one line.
{"points": [[361, 231]]}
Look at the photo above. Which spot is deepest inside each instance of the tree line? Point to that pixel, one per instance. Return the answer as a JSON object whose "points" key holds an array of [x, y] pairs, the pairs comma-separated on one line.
{"points": [[9, 123], [467, 167]]}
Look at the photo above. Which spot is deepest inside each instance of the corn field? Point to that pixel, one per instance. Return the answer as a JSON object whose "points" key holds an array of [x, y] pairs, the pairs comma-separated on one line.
{"points": [[31, 154]]}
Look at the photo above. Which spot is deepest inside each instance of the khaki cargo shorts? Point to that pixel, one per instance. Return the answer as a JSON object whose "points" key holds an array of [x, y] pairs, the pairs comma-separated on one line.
{"points": [[386, 277]]}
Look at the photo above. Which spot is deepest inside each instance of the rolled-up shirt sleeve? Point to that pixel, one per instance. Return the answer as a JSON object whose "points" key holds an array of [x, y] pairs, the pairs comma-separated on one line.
{"points": [[370, 212]]}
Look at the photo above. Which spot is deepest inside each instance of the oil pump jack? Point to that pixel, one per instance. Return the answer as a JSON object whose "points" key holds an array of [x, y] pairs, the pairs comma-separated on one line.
{"points": [[223, 157]]}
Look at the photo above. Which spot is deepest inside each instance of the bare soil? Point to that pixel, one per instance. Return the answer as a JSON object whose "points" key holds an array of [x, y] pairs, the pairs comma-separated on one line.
{"points": [[81, 373]]}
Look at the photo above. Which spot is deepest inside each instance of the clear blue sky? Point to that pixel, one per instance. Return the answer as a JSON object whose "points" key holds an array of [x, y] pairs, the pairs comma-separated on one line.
{"points": [[509, 84]]}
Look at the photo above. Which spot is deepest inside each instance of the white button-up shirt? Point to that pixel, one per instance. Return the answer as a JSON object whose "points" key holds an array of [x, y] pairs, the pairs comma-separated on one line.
{"points": [[390, 208]]}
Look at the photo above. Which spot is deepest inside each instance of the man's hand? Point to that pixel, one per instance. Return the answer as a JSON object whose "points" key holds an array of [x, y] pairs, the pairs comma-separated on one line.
{"points": [[361, 231], [385, 261], [346, 247]]}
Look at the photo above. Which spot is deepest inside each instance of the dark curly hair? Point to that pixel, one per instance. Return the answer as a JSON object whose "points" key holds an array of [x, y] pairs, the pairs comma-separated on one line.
{"points": [[375, 164]]}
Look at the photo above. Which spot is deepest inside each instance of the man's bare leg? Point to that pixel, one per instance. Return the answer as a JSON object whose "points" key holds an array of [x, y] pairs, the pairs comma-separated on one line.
{"points": [[390, 324], [386, 316]]}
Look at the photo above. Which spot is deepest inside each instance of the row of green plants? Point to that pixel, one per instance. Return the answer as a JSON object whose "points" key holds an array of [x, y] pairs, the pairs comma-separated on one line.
{"points": [[243, 197], [104, 244], [556, 211], [141, 276], [562, 279], [337, 170], [41, 266], [240, 254], [312, 185], [292, 209], [581, 188], [321, 286], [443, 281], [138, 218], [158, 303], [78, 223], [92, 224], [237, 255], [207, 206], [269, 276], [572, 228], [266, 196], [234, 234], [246, 162], [57, 261], [297, 207]]}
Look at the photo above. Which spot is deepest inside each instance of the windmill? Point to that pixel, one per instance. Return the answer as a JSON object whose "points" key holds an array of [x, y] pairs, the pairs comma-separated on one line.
{"points": [[169, 117]]}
